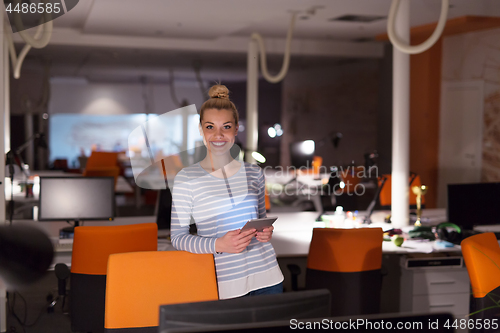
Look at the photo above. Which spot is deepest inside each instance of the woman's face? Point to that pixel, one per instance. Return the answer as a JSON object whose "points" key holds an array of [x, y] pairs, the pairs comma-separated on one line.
{"points": [[219, 130]]}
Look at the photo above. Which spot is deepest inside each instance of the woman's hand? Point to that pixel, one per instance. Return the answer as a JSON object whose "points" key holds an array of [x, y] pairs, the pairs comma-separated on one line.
{"points": [[234, 241], [265, 235]]}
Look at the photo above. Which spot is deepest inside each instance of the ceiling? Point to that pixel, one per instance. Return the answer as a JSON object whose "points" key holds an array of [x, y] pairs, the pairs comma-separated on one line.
{"points": [[100, 37]]}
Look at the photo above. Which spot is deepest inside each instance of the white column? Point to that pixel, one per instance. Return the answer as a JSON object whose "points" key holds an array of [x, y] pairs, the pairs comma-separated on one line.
{"points": [[28, 134], [252, 99], [4, 129], [6, 97], [401, 121]]}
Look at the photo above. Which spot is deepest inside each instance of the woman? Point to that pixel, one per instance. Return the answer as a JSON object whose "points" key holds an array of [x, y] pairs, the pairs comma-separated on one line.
{"points": [[220, 195]]}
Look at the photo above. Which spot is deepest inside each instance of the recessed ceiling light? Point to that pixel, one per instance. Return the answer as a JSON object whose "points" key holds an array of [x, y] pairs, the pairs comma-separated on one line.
{"points": [[358, 18]]}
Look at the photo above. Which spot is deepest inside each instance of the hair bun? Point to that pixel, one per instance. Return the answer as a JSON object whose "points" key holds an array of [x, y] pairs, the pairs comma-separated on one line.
{"points": [[219, 91]]}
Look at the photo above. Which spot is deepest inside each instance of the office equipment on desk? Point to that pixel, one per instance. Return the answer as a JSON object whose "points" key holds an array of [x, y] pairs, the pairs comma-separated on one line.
{"points": [[470, 205], [76, 199], [92, 246], [138, 283], [242, 310], [482, 256]]}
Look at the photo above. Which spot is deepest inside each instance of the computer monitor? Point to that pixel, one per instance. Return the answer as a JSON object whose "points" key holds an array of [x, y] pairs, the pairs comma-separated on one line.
{"points": [[302, 153], [76, 199], [243, 310], [473, 204], [164, 210]]}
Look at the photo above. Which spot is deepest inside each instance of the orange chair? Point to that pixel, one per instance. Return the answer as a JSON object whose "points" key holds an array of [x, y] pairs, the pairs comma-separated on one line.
{"points": [[138, 283], [385, 193], [91, 249], [351, 178], [102, 164], [482, 257], [267, 200], [347, 262]]}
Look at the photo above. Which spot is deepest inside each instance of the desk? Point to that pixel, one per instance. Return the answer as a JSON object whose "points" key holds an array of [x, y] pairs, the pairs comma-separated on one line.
{"points": [[293, 232], [412, 290]]}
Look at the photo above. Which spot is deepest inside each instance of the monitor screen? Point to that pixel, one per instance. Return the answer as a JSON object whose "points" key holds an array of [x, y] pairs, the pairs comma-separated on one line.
{"points": [[473, 204], [76, 198], [264, 308], [164, 209], [302, 153]]}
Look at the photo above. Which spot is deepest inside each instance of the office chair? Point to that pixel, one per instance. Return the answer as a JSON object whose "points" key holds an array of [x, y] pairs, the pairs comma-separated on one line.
{"points": [[481, 253], [138, 283], [385, 182], [102, 164], [91, 249], [348, 263]]}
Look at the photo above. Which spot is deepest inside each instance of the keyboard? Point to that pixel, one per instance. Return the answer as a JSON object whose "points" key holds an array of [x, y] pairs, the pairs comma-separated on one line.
{"points": [[63, 245]]}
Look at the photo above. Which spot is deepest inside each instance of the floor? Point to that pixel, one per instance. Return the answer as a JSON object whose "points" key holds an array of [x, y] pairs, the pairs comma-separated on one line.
{"points": [[29, 311]]}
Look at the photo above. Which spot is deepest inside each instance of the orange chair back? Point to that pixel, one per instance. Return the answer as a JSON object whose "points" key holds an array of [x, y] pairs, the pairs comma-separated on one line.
{"points": [[386, 191], [138, 283], [93, 245], [351, 177], [482, 257], [100, 159], [267, 200], [91, 249], [345, 250]]}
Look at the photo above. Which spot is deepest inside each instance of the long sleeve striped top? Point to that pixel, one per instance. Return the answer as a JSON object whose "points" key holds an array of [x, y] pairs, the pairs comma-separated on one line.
{"points": [[219, 205]]}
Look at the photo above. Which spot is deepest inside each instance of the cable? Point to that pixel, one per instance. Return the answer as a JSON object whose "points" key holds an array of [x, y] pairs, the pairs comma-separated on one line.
{"points": [[414, 49], [36, 41], [286, 59], [172, 88], [197, 68], [23, 323]]}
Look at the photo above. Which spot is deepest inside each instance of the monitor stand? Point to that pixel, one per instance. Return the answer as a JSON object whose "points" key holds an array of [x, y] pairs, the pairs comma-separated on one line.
{"points": [[68, 232]]}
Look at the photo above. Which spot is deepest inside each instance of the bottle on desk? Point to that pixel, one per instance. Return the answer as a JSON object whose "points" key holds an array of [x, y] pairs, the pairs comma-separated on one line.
{"points": [[338, 218]]}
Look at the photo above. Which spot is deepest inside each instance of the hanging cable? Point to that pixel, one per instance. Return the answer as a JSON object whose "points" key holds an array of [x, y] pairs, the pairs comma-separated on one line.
{"points": [[414, 49], [39, 40], [286, 59], [197, 68], [172, 89]]}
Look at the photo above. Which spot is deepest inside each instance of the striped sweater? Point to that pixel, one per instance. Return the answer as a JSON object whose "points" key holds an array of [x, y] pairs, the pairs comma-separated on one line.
{"points": [[217, 206]]}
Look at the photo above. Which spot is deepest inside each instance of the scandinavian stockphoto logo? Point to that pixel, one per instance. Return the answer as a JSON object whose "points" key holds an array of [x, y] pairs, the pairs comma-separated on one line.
{"points": [[27, 14], [165, 144]]}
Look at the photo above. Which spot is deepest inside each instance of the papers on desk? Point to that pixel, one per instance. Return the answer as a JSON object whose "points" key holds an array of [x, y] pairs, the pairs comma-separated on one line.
{"points": [[417, 246]]}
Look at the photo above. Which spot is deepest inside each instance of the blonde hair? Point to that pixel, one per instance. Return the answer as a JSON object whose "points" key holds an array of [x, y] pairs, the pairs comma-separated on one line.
{"points": [[219, 100]]}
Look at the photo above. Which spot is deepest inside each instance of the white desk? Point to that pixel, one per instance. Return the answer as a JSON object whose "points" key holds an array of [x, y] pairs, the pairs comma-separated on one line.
{"points": [[293, 232]]}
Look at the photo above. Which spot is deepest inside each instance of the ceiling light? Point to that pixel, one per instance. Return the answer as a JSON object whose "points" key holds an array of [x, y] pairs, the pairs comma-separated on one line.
{"points": [[271, 132]]}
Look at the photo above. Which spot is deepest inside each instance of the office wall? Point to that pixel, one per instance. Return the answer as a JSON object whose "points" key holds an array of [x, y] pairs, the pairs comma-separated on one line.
{"points": [[475, 56], [342, 98], [79, 96]]}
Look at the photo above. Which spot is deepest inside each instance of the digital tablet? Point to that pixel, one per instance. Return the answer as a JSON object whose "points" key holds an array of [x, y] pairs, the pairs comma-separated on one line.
{"points": [[259, 224]]}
